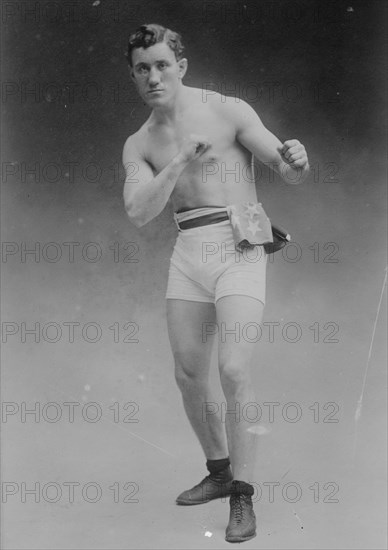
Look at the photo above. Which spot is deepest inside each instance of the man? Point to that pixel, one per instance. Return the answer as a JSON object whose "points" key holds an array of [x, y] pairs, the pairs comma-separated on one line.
{"points": [[177, 155]]}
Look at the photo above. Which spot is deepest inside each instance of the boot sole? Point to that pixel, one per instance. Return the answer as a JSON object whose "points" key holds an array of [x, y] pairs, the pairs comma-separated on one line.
{"points": [[185, 503], [240, 539], [195, 502]]}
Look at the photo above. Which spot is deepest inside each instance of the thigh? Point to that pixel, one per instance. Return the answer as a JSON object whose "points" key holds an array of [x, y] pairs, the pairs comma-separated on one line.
{"points": [[244, 275], [239, 320], [191, 329]]}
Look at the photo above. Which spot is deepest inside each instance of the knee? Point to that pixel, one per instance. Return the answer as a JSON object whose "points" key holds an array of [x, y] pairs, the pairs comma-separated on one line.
{"points": [[187, 370], [234, 376], [182, 378]]}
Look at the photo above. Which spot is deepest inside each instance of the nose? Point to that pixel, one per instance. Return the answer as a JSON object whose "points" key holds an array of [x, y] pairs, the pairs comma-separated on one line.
{"points": [[154, 77]]}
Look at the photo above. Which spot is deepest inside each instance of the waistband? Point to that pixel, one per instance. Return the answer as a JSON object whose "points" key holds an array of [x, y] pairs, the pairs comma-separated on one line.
{"points": [[250, 224], [197, 213]]}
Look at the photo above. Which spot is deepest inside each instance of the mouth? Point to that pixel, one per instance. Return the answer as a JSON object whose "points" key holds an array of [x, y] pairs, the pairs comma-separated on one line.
{"points": [[158, 91]]}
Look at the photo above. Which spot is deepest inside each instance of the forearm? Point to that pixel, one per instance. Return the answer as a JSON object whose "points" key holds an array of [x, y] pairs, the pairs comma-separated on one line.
{"points": [[148, 200], [288, 159]]}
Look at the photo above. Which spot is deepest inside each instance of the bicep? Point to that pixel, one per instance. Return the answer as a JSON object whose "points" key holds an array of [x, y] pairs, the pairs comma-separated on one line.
{"points": [[255, 137]]}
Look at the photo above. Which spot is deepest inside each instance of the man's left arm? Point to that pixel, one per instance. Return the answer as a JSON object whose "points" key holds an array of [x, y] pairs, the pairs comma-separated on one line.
{"points": [[288, 159]]}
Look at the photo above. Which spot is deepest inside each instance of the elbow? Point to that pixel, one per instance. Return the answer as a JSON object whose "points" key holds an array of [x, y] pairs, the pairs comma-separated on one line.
{"points": [[137, 222], [134, 216]]}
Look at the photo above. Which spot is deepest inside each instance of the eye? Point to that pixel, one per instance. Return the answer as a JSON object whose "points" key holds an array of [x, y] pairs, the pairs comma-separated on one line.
{"points": [[142, 70], [162, 65]]}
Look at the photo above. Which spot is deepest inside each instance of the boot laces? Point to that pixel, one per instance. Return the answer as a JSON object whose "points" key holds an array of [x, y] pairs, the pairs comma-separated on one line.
{"points": [[238, 507], [220, 480], [205, 479], [203, 482]]}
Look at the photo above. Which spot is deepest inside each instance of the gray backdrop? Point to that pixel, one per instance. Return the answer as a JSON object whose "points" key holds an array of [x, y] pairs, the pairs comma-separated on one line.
{"points": [[93, 288]]}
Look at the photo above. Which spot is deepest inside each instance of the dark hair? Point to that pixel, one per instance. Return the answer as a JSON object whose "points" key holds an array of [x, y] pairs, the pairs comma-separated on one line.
{"points": [[148, 35]]}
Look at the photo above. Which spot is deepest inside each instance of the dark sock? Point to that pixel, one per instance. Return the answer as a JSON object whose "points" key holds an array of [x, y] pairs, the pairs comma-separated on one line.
{"points": [[242, 488], [217, 466]]}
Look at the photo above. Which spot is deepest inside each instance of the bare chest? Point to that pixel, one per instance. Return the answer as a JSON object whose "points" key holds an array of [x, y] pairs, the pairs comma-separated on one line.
{"points": [[163, 143]]}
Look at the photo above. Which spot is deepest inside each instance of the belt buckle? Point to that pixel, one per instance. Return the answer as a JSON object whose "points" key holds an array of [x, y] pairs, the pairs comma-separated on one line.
{"points": [[176, 221]]}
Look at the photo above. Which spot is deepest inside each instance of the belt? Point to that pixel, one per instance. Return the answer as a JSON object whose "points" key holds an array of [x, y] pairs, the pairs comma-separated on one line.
{"points": [[208, 219]]}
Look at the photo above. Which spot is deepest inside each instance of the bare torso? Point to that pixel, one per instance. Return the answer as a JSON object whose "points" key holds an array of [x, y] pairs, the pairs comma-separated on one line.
{"points": [[220, 176]]}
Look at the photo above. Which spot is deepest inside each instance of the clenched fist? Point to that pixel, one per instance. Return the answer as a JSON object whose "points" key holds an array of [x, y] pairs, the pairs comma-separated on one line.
{"points": [[193, 147], [295, 154]]}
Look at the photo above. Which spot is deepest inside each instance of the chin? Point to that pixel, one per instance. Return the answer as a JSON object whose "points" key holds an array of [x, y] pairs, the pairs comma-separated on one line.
{"points": [[156, 101]]}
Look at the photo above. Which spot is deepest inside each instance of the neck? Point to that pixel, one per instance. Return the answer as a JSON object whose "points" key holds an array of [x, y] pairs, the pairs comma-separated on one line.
{"points": [[171, 112]]}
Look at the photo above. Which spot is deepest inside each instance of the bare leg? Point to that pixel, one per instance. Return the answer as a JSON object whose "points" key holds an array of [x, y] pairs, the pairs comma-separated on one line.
{"points": [[192, 354], [235, 357]]}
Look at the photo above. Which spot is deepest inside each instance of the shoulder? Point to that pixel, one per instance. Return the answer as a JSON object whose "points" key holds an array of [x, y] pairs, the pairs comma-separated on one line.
{"points": [[231, 108], [212, 99], [134, 144]]}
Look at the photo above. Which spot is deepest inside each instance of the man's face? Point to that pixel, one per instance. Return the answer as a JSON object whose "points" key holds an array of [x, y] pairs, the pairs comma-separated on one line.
{"points": [[157, 73]]}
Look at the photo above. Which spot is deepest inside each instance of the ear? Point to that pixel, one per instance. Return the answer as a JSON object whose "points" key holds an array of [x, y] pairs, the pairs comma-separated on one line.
{"points": [[131, 73], [182, 64]]}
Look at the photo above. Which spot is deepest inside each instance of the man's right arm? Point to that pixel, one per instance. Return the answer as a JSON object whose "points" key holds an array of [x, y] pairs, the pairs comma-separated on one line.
{"points": [[145, 195]]}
